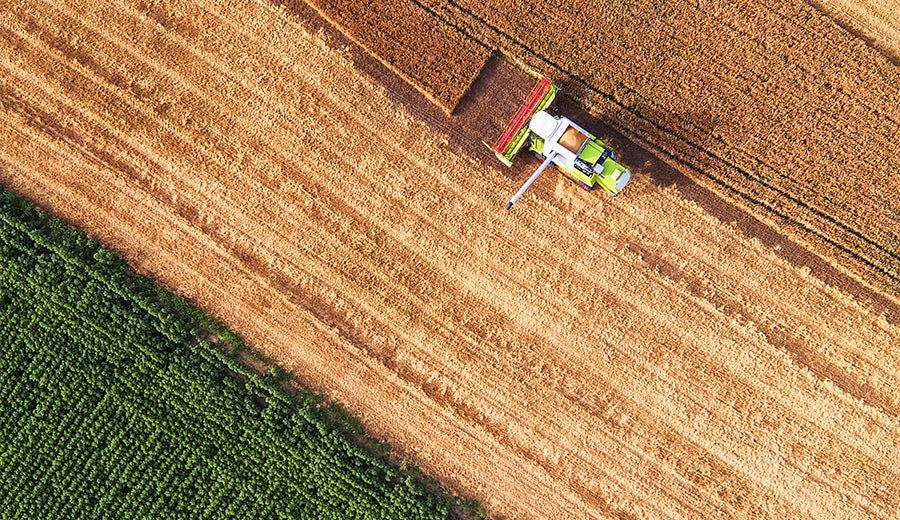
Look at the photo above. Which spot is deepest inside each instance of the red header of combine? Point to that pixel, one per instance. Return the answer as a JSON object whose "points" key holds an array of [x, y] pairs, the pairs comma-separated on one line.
{"points": [[512, 138]]}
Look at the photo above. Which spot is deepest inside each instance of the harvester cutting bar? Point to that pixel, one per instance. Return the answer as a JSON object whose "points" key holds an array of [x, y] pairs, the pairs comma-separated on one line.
{"points": [[512, 138]]}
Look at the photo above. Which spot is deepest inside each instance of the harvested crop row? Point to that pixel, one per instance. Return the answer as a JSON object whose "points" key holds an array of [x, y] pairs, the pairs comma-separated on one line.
{"points": [[772, 105], [657, 365], [435, 58]]}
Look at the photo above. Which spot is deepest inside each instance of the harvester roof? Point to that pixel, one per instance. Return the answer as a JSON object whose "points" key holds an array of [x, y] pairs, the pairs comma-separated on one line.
{"points": [[544, 125]]}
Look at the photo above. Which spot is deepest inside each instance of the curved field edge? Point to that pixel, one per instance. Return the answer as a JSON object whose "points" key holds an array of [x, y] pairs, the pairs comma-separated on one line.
{"points": [[754, 122], [118, 398]]}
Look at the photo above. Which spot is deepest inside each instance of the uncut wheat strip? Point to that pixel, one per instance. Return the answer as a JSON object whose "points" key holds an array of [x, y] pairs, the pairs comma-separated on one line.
{"points": [[827, 42], [884, 137], [392, 21], [701, 19], [861, 84], [774, 117], [801, 14], [492, 13], [819, 38]]}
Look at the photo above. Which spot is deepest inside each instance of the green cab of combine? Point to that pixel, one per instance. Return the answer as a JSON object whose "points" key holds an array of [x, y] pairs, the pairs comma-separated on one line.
{"points": [[577, 153]]}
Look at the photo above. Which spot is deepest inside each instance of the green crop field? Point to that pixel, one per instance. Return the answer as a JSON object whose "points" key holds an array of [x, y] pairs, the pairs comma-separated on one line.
{"points": [[115, 403]]}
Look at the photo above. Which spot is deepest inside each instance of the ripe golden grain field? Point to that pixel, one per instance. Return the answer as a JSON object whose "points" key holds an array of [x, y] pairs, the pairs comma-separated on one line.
{"points": [[771, 104], [580, 357], [438, 60], [875, 21]]}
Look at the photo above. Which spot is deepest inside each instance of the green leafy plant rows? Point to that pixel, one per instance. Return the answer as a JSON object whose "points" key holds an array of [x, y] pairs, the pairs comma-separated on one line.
{"points": [[112, 405]]}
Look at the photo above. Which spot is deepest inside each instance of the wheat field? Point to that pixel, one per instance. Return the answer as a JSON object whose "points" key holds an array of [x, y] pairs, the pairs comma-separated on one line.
{"points": [[579, 357]]}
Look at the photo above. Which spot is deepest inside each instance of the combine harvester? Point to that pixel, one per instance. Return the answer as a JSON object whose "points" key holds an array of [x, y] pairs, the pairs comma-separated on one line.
{"points": [[558, 140]]}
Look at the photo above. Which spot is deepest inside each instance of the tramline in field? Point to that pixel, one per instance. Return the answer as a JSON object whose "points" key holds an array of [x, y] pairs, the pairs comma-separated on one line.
{"points": [[558, 140]]}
